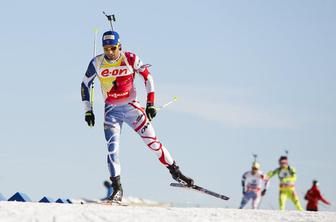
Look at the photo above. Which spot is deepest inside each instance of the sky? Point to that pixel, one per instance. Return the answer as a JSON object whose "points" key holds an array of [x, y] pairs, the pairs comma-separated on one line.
{"points": [[250, 76]]}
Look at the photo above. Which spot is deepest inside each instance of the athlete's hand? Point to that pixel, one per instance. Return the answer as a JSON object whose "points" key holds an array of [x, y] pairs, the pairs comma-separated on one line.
{"points": [[263, 192], [150, 111], [90, 118]]}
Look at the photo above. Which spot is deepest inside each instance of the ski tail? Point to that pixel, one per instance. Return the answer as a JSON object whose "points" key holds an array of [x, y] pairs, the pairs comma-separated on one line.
{"points": [[202, 190]]}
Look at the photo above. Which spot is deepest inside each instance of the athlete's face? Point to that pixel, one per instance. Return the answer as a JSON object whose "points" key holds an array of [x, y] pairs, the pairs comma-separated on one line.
{"points": [[283, 163], [112, 52], [254, 170]]}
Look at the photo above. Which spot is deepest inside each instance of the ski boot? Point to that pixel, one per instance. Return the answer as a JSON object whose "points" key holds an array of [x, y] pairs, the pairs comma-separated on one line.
{"points": [[178, 176], [117, 194]]}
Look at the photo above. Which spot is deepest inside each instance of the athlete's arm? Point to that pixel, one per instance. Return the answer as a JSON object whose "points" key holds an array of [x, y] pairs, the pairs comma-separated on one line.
{"points": [[270, 174], [89, 76], [322, 198], [266, 181], [149, 83], [243, 182], [147, 77], [307, 196]]}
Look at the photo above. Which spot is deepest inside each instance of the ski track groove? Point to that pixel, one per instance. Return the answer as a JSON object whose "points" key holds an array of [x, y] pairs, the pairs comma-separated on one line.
{"points": [[92, 217]]}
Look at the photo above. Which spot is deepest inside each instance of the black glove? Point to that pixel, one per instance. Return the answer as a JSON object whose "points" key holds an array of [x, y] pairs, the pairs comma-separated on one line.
{"points": [[150, 111], [244, 192], [263, 192], [90, 118]]}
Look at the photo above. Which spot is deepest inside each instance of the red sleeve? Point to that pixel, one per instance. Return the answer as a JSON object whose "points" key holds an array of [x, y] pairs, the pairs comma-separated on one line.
{"points": [[149, 83], [322, 198], [135, 62], [150, 97]]}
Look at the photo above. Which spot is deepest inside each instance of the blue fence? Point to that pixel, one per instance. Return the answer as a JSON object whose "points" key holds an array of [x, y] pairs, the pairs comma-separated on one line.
{"points": [[22, 197]]}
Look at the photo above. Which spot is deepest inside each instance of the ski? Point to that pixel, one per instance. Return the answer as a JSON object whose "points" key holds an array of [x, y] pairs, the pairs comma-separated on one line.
{"points": [[114, 203], [105, 202], [202, 190]]}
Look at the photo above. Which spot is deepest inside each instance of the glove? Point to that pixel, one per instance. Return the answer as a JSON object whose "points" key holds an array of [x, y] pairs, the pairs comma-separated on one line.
{"points": [[263, 192], [244, 192], [90, 118], [150, 111]]}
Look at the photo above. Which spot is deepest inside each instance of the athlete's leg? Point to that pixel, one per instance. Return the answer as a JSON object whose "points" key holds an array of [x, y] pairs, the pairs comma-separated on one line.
{"points": [[112, 130], [256, 200], [246, 198], [296, 201], [282, 199], [136, 118]]}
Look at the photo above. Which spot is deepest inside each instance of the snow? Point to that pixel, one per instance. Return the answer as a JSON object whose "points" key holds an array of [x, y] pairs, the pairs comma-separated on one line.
{"points": [[53, 212]]}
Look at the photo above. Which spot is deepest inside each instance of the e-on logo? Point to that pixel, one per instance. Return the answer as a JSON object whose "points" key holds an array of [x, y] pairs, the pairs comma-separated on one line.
{"points": [[113, 72]]}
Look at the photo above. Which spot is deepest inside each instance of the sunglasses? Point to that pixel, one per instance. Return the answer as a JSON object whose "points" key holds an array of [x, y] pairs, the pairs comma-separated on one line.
{"points": [[283, 163], [113, 48], [254, 168]]}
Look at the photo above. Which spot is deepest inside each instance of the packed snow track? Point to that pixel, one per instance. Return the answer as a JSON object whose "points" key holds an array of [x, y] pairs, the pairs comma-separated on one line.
{"points": [[53, 212]]}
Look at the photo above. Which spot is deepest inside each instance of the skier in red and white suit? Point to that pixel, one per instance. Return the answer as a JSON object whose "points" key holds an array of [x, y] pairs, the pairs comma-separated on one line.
{"points": [[116, 71], [254, 186]]}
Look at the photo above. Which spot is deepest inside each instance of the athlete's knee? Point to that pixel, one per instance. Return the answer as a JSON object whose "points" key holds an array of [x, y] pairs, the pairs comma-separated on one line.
{"points": [[113, 146], [155, 145], [113, 149], [108, 132], [152, 142]]}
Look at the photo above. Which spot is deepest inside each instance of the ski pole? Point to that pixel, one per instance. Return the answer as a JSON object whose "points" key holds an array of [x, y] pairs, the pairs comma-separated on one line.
{"points": [[94, 55], [166, 104], [162, 106], [95, 30]]}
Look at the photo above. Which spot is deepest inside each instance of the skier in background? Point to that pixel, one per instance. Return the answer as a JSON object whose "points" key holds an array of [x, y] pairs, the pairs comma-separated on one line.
{"points": [[116, 71], [254, 186], [313, 196], [287, 177]]}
